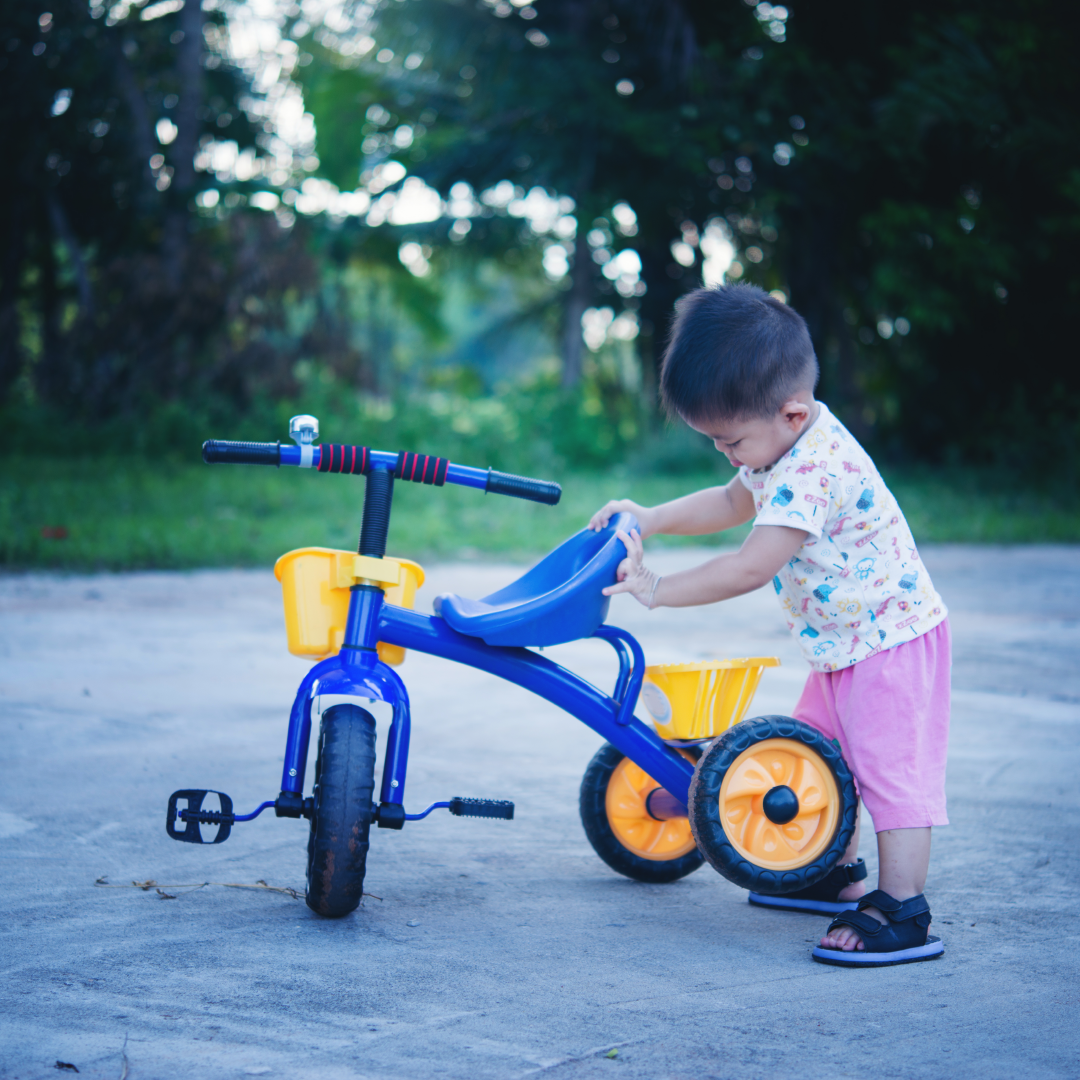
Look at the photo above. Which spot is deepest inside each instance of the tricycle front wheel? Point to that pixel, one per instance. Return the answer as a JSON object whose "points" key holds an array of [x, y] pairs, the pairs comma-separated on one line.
{"points": [[341, 811], [614, 812]]}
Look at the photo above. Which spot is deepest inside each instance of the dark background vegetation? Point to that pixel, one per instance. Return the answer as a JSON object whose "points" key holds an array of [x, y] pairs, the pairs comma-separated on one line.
{"points": [[907, 175]]}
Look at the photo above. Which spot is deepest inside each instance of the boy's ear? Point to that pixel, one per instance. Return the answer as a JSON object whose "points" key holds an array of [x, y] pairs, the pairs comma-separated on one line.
{"points": [[794, 413]]}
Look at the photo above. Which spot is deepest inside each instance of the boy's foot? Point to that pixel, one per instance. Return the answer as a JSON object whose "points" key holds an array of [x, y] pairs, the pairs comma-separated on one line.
{"points": [[838, 891], [882, 931]]}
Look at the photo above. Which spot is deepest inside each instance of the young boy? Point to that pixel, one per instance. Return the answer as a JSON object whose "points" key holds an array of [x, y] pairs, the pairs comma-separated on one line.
{"points": [[830, 537]]}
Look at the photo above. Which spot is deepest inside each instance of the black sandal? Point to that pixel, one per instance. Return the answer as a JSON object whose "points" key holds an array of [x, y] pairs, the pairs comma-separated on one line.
{"points": [[819, 899], [903, 940]]}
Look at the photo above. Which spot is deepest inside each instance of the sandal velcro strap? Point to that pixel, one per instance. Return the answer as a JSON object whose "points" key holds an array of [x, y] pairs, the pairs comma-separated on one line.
{"points": [[898, 911], [829, 888], [867, 926], [906, 928], [853, 872]]}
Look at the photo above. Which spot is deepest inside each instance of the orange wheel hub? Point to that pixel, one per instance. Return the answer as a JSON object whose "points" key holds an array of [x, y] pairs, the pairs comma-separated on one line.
{"points": [[751, 776], [633, 826]]}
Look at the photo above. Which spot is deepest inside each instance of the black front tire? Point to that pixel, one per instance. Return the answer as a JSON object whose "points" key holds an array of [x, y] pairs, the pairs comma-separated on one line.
{"points": [[341, 811], [593, 808]]}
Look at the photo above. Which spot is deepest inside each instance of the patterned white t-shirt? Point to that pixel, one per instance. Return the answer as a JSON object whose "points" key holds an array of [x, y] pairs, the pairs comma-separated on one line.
{"points": [[857, 585]]}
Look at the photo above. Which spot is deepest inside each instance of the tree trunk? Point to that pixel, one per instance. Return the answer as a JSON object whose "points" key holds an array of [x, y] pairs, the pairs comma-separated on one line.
{"points": [[142, 130], [10, 324], [182, 155], [51, 363], [62, 228], [813, 275], [656, 311], [577, 300]]}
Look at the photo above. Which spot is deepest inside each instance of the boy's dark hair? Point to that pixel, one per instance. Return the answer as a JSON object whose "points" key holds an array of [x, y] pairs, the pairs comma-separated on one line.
{"points": [[735, 352]]}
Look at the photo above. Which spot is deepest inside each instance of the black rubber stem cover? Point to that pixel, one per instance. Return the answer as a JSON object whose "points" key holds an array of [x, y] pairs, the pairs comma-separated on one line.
{"points": [[378, 497], [241, 453], [523, 487]]}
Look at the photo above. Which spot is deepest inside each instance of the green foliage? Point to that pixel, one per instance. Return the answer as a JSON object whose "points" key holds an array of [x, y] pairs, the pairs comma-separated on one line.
{"points": [[105, 293], [533, 99], [929, 190], [906, 175], [338, 97], [121, 514], [523, 426]]}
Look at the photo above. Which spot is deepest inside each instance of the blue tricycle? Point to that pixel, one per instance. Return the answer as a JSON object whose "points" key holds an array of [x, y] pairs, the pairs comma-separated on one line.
{"points": [[768, 802]]}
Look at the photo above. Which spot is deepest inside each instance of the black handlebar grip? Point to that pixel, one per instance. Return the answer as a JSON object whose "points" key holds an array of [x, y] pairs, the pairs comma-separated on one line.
{"points": [[523, 487], [241, 453]]}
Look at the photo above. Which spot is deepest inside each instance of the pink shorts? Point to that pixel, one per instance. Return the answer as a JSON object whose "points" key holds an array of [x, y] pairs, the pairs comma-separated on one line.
{"points": [[890, 715]]}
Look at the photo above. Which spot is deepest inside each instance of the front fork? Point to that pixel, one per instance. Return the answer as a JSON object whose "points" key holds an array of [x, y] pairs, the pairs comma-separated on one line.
{"points": [[356, 671]]}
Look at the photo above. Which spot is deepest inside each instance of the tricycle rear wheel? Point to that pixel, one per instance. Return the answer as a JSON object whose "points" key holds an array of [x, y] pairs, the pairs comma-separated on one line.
{"points": [[341, 811], [622, 832], [773, 805]]}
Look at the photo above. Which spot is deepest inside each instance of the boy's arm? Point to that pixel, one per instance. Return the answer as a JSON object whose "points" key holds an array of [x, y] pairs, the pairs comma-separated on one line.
{"points": [[766, 550], [708, 511]]}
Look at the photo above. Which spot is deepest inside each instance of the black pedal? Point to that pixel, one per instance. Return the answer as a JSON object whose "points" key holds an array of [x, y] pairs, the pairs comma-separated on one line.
{"points": [[193, 815], [489, 808]]}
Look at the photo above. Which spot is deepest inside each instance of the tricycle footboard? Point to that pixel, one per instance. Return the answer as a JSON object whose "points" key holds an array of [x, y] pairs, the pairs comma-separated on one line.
{"points": [[432, 635]]}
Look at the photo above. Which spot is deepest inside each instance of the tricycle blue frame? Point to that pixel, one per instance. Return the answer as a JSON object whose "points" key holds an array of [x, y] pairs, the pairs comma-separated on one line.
{"points": [[357, 671], [559, 600]]}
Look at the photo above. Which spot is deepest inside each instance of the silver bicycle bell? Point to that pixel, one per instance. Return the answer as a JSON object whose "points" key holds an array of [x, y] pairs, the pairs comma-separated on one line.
{"points": [[304, 429]]}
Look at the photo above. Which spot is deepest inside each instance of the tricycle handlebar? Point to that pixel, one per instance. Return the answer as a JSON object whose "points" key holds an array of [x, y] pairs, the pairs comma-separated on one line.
{"points": [[242, 453], [420, 468]]}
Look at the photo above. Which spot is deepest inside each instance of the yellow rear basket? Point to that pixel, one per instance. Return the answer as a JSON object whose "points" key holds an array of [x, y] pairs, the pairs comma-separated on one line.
{"points": [[315, 586], [699, 701]]}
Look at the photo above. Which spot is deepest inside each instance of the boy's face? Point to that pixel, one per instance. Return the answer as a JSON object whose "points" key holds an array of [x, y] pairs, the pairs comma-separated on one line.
{"points": [[764, 440]]}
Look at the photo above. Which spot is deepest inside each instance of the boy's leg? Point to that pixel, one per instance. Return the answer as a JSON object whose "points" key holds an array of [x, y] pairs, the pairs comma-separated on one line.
{"points": [[901, 767], [903, 862]]}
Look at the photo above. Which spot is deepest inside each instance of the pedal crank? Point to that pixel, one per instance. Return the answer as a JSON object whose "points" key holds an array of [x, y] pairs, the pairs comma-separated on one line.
{"points": [[460, 807], [192, 815]]}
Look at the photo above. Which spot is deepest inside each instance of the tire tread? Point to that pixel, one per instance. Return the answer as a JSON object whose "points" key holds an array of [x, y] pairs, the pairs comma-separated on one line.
{"points": [[593, 808], [341, 815], [704, 806]]}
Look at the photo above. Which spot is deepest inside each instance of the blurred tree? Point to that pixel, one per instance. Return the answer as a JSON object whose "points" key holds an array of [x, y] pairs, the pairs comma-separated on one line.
{"points": [[591, 101], [113, 286], [916, 188], [908, 177]]}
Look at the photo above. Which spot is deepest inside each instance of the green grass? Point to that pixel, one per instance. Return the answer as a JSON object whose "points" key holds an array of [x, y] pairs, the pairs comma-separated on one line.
{"points": [[119, 515], [983, 507]]}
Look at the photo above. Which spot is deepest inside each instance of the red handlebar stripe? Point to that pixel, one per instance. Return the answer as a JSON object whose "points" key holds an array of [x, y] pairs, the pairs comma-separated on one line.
{"points": [[421, 468], [343, 459]]}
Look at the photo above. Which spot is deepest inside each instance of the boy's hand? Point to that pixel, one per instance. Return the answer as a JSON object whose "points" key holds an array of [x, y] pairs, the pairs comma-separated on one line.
{"points": [[602, 516], [634, 576]]}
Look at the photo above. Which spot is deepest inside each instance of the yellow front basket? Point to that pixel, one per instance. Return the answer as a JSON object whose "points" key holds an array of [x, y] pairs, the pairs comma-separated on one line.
{"points": [[699, 701], [315, 585]]}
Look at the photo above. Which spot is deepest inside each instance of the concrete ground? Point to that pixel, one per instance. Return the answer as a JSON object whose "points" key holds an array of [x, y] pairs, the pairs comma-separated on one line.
{"points": [[498, 949]]}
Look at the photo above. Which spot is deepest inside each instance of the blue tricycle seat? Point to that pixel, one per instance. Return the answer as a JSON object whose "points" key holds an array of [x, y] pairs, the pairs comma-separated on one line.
{"points": [[558, 600]]}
